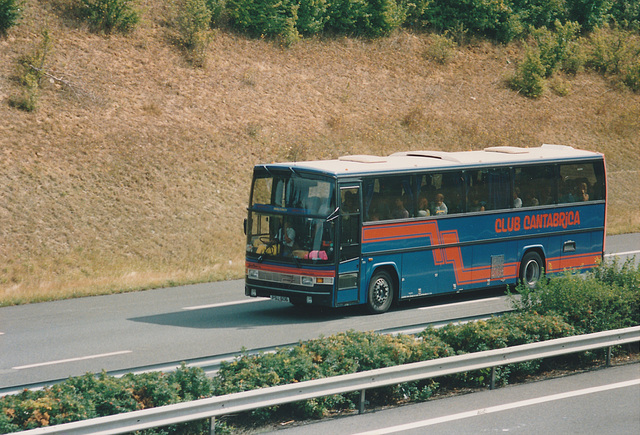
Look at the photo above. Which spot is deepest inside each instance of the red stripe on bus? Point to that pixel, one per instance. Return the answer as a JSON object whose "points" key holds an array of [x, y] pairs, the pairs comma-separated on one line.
{"points": [[291, 270], [581, 261]]}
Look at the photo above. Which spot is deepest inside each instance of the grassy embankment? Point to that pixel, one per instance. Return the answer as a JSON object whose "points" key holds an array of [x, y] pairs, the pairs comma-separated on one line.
{"points": [[137, 175]]}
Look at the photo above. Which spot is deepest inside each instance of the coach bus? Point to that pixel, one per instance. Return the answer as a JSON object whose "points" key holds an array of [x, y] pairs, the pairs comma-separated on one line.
{"points": [[375, 230]]}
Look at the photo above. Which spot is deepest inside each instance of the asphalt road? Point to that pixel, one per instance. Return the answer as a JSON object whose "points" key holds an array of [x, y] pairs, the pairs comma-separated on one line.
{"points": [[605, 401], [55, 340]]}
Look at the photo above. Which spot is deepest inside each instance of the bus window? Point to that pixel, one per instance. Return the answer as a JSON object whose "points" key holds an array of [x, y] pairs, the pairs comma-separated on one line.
{"points": [[389, 198], [536, 185], [444, 192], [581, 182], [477, 191]]}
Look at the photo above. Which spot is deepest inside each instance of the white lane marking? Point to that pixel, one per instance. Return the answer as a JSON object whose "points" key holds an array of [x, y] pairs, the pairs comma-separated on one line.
{"points": [[62, 361], [460, 303], [498, 408], [226, 304], [613, 254]]}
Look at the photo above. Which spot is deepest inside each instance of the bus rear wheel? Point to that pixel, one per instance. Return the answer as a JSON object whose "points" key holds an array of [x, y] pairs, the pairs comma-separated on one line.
{"points": [[381, 293], [531, 269]]}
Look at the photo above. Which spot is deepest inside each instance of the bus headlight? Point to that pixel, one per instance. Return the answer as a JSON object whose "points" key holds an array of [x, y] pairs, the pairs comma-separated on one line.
{"points": [[252, 274], [308, 280]]}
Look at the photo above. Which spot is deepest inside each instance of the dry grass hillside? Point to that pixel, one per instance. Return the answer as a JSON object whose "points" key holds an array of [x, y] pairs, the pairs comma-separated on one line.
{"points": [[137, 174]]}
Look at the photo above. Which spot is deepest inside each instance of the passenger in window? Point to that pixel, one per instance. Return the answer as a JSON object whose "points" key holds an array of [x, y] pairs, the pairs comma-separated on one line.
{"points": [[547, 197], [530, 199], [423, 206], [399, 211], [440, 206], [583, 195], [378, 210], [474, 202], [565, 193], [517, 202], [288, 235]]}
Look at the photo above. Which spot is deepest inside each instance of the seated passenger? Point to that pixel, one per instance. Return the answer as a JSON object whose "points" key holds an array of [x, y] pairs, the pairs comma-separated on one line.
{"points": [[475, 204], [517, 202], [530, 200], [440, 206], [582, 192], [566, 194], [423, 206], [399, 211]]}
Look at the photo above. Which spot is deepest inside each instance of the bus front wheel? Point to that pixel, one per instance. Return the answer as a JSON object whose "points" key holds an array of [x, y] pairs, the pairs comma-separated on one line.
{"points": [[531, 269], [381, 291]]}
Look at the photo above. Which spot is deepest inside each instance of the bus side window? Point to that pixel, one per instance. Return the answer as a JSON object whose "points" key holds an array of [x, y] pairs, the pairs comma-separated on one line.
{"points": [[580, 182]]}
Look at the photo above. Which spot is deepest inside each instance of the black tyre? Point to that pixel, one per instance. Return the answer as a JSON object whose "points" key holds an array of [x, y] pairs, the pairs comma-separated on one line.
{"points": [[531, 269], [381, 292]]}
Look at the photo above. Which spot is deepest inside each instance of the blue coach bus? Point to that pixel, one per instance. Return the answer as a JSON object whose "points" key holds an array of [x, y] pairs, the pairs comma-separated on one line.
{"points": [[377, 230]]}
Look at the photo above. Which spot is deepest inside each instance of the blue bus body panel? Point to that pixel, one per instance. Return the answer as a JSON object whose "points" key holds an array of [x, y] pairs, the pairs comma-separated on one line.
{"points": [[455, 253]]}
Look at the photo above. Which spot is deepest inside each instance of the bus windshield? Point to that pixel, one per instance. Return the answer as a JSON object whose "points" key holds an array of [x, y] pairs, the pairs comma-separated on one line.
{"points": [[291, 217]]}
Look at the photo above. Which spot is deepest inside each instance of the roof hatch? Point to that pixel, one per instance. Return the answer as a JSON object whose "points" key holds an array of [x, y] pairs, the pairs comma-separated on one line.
{"points": [[362, 158], [440, 155], [507, 150]]}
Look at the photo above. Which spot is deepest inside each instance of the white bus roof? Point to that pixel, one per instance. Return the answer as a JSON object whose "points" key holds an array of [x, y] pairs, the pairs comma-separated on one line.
{"points": [[414, 160]]}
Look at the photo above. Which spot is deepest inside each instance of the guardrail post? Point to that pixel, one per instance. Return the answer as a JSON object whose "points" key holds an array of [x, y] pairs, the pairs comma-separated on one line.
{"points": [[362, 402], [212, 428], [493, 378], [609, 356]]}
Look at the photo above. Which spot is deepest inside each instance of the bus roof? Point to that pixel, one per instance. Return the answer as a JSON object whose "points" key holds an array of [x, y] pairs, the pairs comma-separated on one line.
{"points": [[415, 160]]}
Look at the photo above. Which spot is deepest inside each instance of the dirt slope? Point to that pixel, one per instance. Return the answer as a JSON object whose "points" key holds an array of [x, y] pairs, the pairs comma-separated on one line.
{"points": [[135, 173]]}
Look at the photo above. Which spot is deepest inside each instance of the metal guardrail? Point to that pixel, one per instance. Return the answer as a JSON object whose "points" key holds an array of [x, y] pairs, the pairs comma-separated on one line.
{"points": [[249, 400]]}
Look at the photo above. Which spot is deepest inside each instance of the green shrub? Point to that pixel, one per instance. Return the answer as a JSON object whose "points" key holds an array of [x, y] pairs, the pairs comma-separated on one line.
{"points": [[560, 87], [626, 13], [91, 396], [609, 298], [192, 21], [589, 13], [608, 51], [192, 383], [364, 17], [32, 409], [10, 13], [539, 13], [312, 16], [31, 70], [384, 16], [343, 353], [270, 18], [615, 53], [554, 46], [574, 59], [512, 329], [631, 76], [529, 76], [441, 48], [345, 16], [415, 12], [109, 15], [492, 18], [216, 7]]}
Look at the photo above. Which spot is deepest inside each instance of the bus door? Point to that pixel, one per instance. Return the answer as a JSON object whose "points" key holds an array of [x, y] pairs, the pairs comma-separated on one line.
{"points": [[350, 230]]}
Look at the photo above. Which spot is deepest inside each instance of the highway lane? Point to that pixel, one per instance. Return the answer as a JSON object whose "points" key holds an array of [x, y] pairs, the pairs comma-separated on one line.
{"points": [[54, 340], [67, 338], [596, 402]]}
